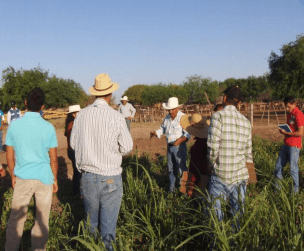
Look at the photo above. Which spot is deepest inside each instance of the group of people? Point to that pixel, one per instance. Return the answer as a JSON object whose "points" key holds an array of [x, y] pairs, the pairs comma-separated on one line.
{"points": [[99, 136]]}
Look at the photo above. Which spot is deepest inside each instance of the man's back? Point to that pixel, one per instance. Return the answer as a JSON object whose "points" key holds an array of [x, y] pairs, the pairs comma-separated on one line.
{"points": [[100, 138], [31, 136], [229, 144]]}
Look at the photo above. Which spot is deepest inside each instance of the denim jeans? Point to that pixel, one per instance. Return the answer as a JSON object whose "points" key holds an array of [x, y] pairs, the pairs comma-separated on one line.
{"points": [[128, 122], [177, 156], [102, 197], [218, 189], [1, 133], [288, 154]]}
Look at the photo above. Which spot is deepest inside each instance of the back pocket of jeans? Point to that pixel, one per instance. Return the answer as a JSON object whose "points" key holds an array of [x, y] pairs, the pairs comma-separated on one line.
{"points": [[111, 186]]}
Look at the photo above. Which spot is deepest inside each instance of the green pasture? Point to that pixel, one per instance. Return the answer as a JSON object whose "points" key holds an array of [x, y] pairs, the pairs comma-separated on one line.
{"points": [[149, 220]]}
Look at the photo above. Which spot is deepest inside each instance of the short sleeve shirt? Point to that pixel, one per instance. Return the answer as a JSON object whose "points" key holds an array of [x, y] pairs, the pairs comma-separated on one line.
{"points": [[295, 119], [32, 137]]}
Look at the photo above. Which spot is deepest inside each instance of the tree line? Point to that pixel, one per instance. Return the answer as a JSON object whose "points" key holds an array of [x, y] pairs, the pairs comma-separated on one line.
{"points": [[286, 77], [59, 92]]}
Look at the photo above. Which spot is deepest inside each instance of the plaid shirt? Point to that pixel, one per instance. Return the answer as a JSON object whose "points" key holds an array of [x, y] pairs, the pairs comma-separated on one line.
{"points": [[172, 129], [229, 145]]}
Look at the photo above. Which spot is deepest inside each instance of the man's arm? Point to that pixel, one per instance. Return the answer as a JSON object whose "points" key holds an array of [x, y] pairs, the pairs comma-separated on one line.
{"points": [[73, 134], [298, 133], [54, 166], [214, 137], [132, 110], [8, 117], [11, 163], [125, 140], [158, 133]]}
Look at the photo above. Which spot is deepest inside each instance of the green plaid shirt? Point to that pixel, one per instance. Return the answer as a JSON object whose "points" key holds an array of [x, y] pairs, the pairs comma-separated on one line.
{"points": [[229, 145]]}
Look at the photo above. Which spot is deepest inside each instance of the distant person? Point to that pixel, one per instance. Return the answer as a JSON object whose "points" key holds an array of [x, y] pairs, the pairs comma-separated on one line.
{"points": [[32, 141], [218, 104], [13, 113], [127, 110], [100, 138], [1, 128], [176, 138], [73, 111], [290, 151], [198, 176], [229, 147]]}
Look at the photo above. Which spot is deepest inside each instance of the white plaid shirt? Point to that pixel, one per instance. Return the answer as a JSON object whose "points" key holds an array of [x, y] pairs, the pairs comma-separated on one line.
{"points": [[229, 145], [172, 129]]}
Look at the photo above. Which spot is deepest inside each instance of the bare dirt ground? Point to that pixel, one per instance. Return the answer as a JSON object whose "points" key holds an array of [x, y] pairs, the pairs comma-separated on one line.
{"points": [[142, 142]]}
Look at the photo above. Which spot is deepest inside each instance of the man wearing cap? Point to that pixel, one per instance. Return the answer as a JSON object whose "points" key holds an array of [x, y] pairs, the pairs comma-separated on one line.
{"points": [[100, 138], [127, 110], [176, 141], [13, 113], [229, 148]]}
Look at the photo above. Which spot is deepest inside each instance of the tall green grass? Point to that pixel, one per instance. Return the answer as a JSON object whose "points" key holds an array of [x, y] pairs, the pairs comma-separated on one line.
{"points": [[149, 220]]}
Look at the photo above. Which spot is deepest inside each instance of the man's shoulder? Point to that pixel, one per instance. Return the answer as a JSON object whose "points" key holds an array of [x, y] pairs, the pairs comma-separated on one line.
{"points": [[100, 110]]}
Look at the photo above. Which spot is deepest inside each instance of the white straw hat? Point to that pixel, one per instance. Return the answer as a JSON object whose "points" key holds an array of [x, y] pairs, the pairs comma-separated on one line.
{"points": [[74, 108], [172, 103], [103, 85], [124, 98]]}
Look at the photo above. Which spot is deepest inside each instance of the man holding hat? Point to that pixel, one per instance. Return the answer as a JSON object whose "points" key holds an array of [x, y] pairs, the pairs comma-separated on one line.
{"points": [[100, 138], [13, 113], [127, 110], [176, 141], [229, 148]]}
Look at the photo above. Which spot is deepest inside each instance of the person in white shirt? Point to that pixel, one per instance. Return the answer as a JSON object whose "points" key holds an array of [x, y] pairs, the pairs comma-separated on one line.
{"points": [[13, 113], [100, 138], [127, 110]]}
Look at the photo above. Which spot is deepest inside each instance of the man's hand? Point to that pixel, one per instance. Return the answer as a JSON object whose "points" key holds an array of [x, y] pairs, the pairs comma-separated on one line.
{"points": [[179, 141], [13, 181], [152, 134], [129, 118], [283, 132], [55, 187]]}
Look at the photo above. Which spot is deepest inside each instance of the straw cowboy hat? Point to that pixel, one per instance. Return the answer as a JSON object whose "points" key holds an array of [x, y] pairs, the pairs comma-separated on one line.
{"points": [[74, 108], [103, 85], [195, 125], [172, 103], [124, 98]]}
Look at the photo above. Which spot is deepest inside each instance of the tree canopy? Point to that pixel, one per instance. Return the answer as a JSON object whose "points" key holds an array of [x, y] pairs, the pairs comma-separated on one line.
{"points": [[287, 70], [59, 92]]}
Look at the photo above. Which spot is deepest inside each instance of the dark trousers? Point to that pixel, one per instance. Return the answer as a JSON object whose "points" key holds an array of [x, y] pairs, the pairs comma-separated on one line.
{"points": [[76, 173]]}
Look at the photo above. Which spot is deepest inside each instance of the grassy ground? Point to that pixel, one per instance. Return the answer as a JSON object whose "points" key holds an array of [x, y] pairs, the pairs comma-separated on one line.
{"points": [[149, 220]]}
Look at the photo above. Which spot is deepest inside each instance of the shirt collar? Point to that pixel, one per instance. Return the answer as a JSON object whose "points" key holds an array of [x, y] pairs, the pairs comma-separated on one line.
{"points": [[99, 101], [230, 107], [32, 114]]}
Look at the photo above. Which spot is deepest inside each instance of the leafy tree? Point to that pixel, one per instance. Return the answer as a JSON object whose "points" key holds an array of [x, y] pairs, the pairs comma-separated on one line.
{"points": [[59, 92], [287, 69], [134, 93]]}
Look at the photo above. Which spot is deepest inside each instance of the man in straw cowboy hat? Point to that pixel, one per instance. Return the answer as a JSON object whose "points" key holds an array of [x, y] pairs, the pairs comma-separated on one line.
{"points": [[100, 138], [197, 126], [127, 110], [229, 148], [176, 141]]}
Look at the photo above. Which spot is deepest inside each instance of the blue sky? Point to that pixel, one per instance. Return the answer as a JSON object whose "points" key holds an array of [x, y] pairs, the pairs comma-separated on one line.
{"points": [[146, 41]]}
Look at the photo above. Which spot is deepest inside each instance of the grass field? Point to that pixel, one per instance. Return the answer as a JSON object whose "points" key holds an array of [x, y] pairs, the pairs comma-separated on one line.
{"points": [[149, 220]]}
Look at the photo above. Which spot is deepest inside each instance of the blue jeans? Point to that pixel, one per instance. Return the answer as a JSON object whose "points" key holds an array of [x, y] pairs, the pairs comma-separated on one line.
{"points": [[218, 189], [102, 197], [1, 133], [128, 122], [177, 156], [288, 154]]}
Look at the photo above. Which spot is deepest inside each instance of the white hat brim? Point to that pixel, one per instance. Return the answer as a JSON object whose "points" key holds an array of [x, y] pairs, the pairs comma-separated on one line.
{"points": [[94, 92], [165, 105]]}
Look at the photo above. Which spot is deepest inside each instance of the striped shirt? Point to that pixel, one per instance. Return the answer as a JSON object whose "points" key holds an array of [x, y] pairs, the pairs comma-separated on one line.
{"points": [[229, 145], [172, 129], [127, 110], [100, 138]]}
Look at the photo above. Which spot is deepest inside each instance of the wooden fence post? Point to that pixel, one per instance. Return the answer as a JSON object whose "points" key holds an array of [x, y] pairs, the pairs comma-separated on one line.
{"points": [[251, 114]]}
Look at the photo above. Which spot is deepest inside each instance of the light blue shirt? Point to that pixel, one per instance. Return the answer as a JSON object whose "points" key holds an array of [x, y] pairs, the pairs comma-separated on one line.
{"points": [[172, 129], [32, 137], [1, 117]]}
